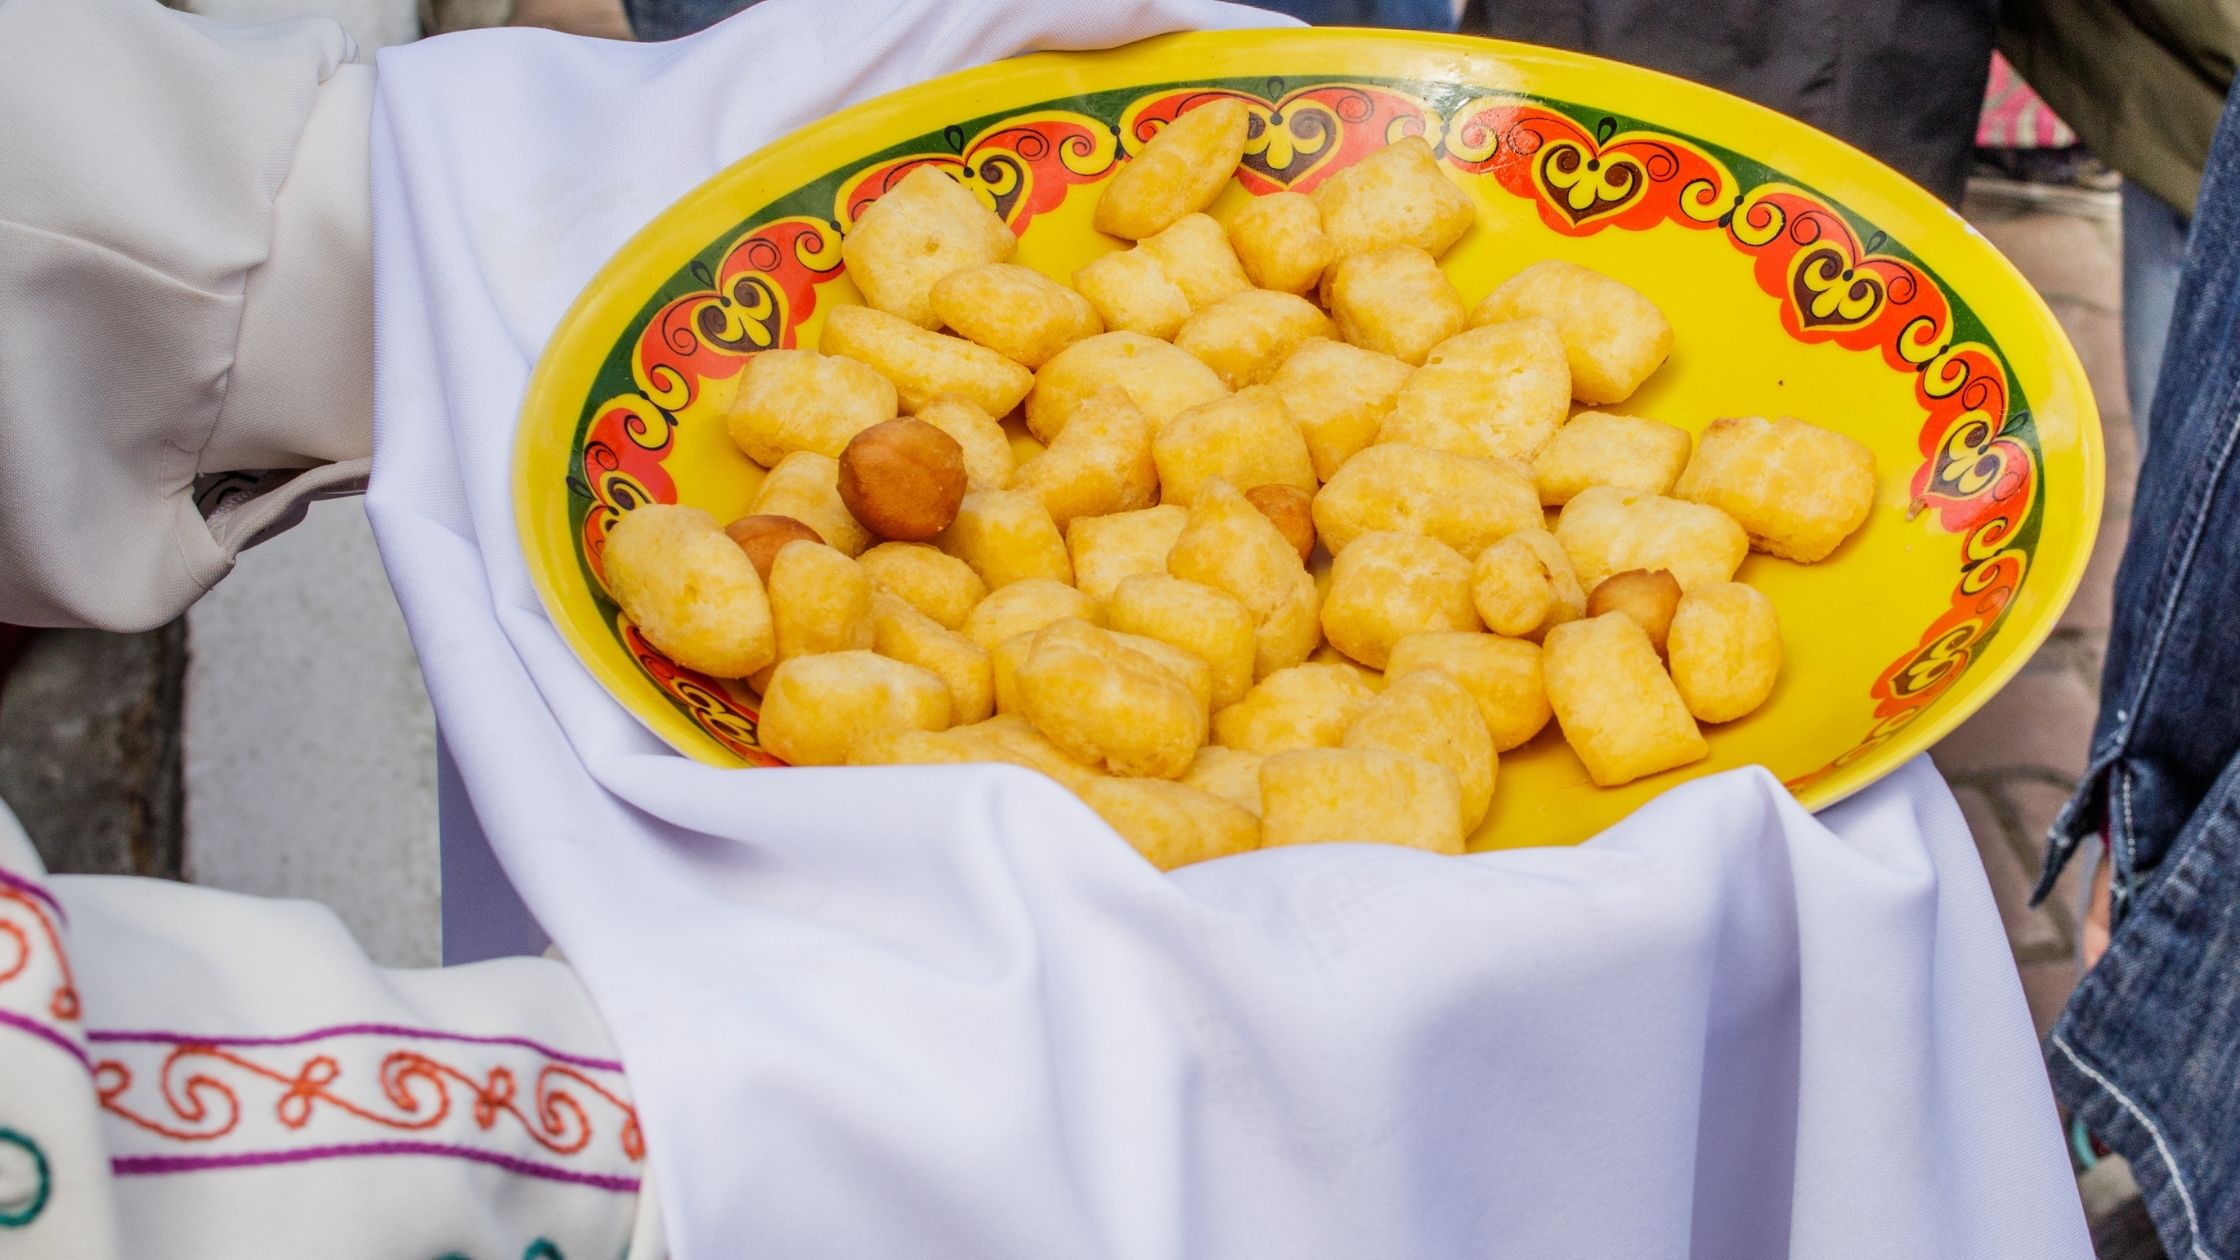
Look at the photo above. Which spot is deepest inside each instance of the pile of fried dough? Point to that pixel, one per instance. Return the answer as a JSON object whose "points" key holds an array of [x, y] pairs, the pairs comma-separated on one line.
{"points": [[1243, 537]]}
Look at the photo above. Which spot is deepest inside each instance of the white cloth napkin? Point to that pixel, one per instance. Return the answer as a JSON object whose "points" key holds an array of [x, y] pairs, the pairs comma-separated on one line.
{"points": [[945, 1012]]}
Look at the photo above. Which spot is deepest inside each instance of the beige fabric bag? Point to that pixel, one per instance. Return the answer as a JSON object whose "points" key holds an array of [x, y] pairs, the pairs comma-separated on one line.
{"points": [[185, 306]]}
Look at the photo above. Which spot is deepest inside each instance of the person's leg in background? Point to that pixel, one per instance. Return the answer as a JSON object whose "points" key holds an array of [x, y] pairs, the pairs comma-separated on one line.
{"points": [[2154, 246]]}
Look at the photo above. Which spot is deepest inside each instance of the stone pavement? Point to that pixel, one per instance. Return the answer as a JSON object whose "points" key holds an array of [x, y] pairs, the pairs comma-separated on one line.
{"points": [[310, 745], [90, 749], [2013, 764]]}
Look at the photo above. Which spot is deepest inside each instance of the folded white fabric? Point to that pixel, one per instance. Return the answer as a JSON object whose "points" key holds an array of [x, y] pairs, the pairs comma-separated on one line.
{"points": [[946, 1012]]}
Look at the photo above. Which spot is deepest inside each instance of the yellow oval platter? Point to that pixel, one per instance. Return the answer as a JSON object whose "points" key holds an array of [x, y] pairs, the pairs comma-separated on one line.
{"points": [[1801, 278]]}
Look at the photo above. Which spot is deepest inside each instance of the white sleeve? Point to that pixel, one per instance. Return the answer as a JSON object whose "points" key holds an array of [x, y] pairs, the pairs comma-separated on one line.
{"points": [[185, 302], [196, 1074]]}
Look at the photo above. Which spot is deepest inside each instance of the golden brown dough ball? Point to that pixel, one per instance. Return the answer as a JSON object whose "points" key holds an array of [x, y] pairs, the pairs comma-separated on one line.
{"points": [[1195, 618], [1107, 706], [1427, 714], [1606, 530], [761, 538], [1502, 675], [925, 365], [936, 584], [1230, 773], [799, 400], [1180, 170], [1171, 824], [1025, 606], [1359, 795], [1016, 311], [1339, 396], [1649, 596], [1195, 254], [1007, 536], [1099, 465], [689, 589], [1393, 301], [816, 708], [1108, 550], [1498, 392], [922, 229], [1466, 503], [1305, 706], [1131, 292], [902, 633], [1160, 379], [806, 487], [1598, 448], [1523, 585], [1245, 439], [1395, 196], [1244, 337], [1229, 546], [902, 479], [1617, 707], [987, 449], [1386, 586], [1613, 337], [1279, 239], [1725, 647], [1798, 489], [820, 601]]}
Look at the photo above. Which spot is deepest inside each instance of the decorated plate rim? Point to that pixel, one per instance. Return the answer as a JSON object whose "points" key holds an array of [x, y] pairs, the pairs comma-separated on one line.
{"points": [[1166, 60]]}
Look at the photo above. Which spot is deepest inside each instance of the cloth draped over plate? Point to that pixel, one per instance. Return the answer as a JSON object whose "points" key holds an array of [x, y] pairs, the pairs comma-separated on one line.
{"points": [[947, 1012]]}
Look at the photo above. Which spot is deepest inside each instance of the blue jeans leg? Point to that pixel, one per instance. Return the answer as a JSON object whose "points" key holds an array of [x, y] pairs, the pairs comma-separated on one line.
{"points": [[2154, 247]]}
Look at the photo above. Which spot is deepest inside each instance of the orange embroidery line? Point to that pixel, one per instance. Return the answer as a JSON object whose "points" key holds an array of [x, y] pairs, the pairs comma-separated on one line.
{"points": [[64, 1004], [562, 1125]]}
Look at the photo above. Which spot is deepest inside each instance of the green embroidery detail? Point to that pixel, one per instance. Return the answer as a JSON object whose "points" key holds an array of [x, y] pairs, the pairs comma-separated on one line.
{"points": [[19, 1212], [541, 1249]]}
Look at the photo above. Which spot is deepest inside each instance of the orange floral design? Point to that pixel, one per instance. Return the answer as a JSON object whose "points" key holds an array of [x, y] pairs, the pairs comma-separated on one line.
{"points": [[711, 705], [1295, 143], [622, 457], [757, 296], [1020, 167], [1584, 183], [1976, 476]]}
